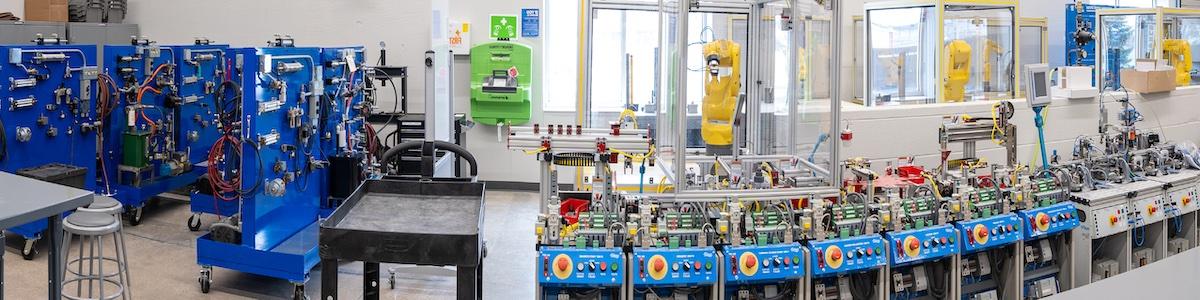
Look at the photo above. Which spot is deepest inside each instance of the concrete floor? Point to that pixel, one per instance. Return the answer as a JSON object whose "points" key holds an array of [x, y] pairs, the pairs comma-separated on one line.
{"points": [[163, 262]]}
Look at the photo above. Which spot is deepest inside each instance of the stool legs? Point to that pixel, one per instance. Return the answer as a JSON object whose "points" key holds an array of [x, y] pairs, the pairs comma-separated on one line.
{"points": [[96, 277]]}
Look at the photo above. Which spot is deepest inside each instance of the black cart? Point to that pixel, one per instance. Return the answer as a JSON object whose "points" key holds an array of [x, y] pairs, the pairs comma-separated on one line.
{"points": [[419, 221]]}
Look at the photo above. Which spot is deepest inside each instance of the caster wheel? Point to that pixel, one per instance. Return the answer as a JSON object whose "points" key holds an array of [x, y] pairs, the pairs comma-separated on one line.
{"points": [[205, 281], [193, 223], [392, 281], [134, 216], [298, 293], [29, 250]]}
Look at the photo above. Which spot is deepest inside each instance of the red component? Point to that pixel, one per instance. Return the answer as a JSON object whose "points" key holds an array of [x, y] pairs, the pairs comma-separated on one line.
{"points": [[570, 209], [659, 265], [971, 239], [545, 266], [562, 265], [601, 146], [750, 261], [696, 266], [733, 262], [870, 251], [847, 135], [914, 245], [616, 129], [560, 131], [546, 144], [603, 266], [943, 240], [820, 259]]}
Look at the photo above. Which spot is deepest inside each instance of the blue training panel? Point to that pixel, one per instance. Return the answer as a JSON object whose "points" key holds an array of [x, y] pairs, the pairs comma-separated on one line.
{"points": [[763, 264], [921, 245], [1044, 221], [48, 113], [840, 256], [591, 267], [991, 232], [663, 267]]}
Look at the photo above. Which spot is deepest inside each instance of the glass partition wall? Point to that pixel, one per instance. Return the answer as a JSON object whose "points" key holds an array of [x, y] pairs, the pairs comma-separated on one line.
{"points": [[939, 51], [1129, 34], [732, 80]]}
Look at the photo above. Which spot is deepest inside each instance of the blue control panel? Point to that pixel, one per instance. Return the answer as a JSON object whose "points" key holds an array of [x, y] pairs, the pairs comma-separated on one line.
{"points": [[1049, 220], [991, 232], [592, 267], [674, 267], [832, 257], [771, 263], [925, 244]]}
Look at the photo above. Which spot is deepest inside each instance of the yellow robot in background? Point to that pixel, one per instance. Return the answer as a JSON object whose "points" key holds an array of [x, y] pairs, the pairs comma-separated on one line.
{"points": [[1179, 54], [957, 62], [991, 52], [722, 84]]}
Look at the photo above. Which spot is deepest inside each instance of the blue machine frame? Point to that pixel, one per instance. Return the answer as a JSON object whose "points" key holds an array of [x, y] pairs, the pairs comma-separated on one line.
{"points": [[48, 115], [280, 195]]}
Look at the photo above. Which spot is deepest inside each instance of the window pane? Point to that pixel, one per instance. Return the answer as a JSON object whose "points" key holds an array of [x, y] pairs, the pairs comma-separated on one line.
{"points": [[560, 67]]}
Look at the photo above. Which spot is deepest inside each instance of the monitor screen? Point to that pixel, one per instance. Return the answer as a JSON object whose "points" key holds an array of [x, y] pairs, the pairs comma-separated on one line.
{"points": [[1039, 84]]}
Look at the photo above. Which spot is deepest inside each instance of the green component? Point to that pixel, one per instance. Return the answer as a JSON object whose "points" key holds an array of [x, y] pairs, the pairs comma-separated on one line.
{"points": [[687, 243], [844, 233], [762, 239], [920, 224], [673, 242], [580, 242], [987, 213], [615, 265], [133, 149], [501, 73], [595, 243]]}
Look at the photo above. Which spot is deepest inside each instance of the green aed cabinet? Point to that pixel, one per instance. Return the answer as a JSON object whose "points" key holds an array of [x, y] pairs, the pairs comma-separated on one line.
{"points": [[501, 73]]}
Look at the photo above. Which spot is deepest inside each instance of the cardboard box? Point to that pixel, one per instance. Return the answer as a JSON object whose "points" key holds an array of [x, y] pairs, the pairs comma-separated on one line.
{"points": [[1157, 81], [46, 10]]}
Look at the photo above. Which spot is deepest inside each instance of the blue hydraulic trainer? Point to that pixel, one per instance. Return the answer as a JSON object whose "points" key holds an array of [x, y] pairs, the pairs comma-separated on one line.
{"points": [[48, 124]]}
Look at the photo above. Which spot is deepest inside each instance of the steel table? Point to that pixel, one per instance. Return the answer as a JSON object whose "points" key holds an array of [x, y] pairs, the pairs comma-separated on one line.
{"points": [[24, 200]]}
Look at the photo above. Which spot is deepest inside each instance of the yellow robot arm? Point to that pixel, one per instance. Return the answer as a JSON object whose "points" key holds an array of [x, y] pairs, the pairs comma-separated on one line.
{"points": [[957, 64], [722, 84], [990, 52], [1179, 54]]}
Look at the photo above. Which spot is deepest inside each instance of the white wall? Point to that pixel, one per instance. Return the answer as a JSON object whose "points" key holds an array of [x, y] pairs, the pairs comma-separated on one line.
{"points": [[403, 25], [17, 7]]}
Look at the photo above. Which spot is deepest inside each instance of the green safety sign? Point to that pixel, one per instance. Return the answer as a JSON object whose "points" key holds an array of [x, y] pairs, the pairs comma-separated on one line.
{"points": [[503, 27]]}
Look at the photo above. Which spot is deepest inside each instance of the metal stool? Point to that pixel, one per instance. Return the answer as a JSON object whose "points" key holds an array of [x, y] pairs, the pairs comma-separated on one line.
{"points": [[92, 225]]}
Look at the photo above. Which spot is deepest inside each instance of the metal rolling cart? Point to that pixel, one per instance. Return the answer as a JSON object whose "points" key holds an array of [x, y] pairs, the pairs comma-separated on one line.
{"points": [[407, 220]]}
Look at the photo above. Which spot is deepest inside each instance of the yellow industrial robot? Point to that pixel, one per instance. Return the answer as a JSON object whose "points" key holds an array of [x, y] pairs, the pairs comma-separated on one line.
{"points": [[1179, 54], [957, 64], [722, 85], [991, 53]]}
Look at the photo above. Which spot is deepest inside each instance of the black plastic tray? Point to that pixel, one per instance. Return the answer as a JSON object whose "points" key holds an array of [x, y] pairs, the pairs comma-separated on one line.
{"points": [[410, 222]]}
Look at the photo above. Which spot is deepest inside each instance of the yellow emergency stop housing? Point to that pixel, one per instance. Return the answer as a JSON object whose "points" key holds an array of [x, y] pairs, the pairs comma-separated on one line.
{"points": [[722, 85], [930, 51]]}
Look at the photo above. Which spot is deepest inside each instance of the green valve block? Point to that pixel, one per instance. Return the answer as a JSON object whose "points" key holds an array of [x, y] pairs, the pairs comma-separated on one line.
{"points": [[501, 73], [133, 149]]}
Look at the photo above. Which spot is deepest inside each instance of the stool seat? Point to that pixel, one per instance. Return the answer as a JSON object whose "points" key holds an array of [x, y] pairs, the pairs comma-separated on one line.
{"points": [[104, 202], [91, 223]]}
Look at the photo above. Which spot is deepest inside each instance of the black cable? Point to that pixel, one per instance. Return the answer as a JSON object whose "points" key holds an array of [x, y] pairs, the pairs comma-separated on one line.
{"points": [[395, 103]]}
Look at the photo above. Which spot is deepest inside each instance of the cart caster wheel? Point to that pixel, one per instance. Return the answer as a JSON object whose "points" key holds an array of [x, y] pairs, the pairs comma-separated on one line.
{"points": [[134, 216], [298, 293], [205, 281], [193, 223], [29, 250]]}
